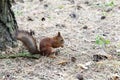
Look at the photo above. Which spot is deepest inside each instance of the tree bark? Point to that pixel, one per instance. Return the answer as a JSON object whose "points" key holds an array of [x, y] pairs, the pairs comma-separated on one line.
{"points": [[8, 25]]}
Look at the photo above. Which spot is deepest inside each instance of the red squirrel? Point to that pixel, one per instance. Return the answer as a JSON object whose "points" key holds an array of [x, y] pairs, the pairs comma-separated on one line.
{"points": [[45, 46]]}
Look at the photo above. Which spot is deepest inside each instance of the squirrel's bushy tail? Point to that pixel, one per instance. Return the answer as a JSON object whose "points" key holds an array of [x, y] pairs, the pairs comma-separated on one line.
{"points": [[28, 40]]}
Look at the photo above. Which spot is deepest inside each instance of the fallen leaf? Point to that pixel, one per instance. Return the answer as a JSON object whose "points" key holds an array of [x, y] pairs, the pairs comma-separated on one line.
{"points": [[82, 66], [63, 62]]}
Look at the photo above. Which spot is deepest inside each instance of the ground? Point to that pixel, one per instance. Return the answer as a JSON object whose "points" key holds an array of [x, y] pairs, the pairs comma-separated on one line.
{"points": [[80, 22]]}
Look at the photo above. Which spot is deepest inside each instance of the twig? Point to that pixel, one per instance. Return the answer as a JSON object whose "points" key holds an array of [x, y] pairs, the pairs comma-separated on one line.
{"points": [[25, 55]]}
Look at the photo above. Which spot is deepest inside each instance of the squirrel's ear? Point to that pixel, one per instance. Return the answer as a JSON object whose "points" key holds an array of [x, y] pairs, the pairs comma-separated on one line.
{"points": [[59, 34]]}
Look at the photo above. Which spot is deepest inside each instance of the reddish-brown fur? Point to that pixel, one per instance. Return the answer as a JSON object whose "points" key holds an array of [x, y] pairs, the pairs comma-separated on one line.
{"points": [[45, 46]]}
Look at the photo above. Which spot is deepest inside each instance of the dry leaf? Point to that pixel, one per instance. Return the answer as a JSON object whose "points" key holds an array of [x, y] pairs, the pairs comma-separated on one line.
{"points": [[82, 66], [64, 62]]}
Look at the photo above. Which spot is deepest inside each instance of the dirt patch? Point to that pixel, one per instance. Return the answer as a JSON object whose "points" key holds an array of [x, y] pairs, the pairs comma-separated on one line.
{"points": [[79, 21]]}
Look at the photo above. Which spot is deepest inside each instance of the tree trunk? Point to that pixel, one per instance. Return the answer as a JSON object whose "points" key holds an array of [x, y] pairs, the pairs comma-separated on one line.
{"points": [[8, 25]]}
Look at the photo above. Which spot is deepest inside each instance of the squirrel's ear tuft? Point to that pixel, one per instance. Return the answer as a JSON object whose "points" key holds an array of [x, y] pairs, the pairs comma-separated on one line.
{"points": [[59, 34]]}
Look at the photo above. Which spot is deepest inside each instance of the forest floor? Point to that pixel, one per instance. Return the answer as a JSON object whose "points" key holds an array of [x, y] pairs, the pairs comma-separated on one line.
{"points": [[80, 22]]}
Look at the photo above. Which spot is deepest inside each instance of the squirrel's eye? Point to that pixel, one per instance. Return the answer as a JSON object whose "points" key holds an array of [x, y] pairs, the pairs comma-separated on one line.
{"points": [[62, 40]]}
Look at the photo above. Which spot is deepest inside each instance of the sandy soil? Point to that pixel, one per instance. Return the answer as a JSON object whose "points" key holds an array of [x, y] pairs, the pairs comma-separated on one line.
{"points": [[79, 21]]}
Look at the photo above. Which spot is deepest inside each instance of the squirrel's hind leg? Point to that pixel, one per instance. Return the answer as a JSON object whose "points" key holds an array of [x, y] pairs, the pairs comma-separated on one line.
{"points": [[47, 51]]}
